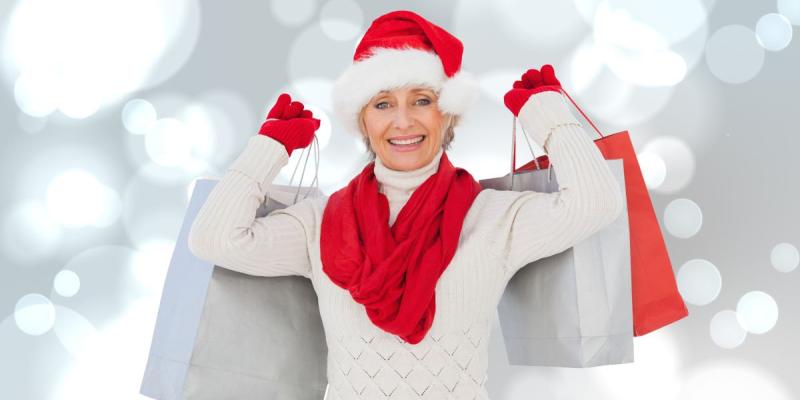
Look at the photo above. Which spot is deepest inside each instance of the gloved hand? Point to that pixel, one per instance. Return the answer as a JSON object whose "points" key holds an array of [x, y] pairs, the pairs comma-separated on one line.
{"points": [[288, 123], [531, 82]]}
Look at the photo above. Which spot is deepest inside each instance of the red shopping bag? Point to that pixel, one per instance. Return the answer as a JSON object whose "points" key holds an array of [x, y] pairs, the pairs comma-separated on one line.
{"points": [[656, 300]]}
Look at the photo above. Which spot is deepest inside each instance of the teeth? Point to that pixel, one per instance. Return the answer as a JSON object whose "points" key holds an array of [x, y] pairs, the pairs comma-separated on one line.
{"points": [[406, 141]]}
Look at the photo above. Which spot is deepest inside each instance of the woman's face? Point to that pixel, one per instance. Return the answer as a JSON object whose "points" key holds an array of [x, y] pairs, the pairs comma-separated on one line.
{"points": [[407, 114]]}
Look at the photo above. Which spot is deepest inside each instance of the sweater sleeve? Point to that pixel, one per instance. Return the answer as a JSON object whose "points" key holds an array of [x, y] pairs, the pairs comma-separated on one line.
{"points": [[589, 196], [226, 230]]}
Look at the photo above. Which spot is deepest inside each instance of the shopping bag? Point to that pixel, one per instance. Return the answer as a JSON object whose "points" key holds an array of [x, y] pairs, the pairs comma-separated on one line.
{"points": [[656, 299], [571, 309], [221, 334]]}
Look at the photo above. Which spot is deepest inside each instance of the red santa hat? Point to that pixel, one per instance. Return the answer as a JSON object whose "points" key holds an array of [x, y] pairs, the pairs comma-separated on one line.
{"points": [[398, 49]]}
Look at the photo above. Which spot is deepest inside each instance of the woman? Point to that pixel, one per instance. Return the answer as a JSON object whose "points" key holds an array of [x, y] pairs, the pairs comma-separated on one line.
{"points": [[410, 259]]}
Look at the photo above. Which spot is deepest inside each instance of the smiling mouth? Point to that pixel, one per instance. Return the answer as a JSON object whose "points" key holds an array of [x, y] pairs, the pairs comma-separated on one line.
{"points": [[407, 142]]}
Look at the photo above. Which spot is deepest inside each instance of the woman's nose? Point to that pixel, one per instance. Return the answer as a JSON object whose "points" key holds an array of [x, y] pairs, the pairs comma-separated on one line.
{"points": [[402, 118]]}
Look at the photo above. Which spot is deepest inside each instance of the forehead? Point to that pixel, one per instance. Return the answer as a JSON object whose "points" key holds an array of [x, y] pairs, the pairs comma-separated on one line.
{"points": [[407, 89]]}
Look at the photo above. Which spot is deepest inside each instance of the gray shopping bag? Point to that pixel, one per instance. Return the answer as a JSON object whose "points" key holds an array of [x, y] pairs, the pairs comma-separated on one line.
{"points": [[223, 334], [574, 308]]}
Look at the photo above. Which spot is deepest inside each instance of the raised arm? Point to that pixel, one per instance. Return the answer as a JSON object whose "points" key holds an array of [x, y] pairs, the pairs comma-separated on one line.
{"points": [[589, 197], [226, 230]]}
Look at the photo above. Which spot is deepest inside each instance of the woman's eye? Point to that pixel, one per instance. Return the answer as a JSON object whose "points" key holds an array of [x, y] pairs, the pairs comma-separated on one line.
{"points": [[428, 101], [378, 106]]}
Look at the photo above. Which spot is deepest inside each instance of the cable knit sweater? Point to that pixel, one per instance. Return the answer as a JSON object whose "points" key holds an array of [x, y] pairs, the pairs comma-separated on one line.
{"points": [[502, 232]]}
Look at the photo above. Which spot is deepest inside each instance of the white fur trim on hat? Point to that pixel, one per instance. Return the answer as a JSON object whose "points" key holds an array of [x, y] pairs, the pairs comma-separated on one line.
{"points": [[388, 68]]}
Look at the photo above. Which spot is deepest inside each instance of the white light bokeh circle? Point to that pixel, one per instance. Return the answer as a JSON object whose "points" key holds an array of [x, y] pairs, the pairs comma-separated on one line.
{"points": [[169, 143], [732, 379], [683, 218], [634, 50], [151, 262], [66, 283], [139, 116], [678, 158], [526, 24], [76, 198], [699, 282], [34, 314], [725, 330], [773, 32], [341, 19], [790, 9], [494, 84], [653, 168], [29, 233], [784, 257], [757, 312], [655, 373], [312, 90], [733, 54], [153, 209], [293, 13], [75, 332], [60, 62]]}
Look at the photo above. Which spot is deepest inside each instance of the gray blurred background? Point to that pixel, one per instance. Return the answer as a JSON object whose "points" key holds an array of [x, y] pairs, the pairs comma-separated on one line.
{"points": [[110, 109]]}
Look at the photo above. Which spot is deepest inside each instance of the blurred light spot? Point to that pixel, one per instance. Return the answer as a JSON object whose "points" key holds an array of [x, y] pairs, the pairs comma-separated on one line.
{"points": [[683, 218], [309, 47], [725, 330], [360, 146], [654, 170], [655, 373], [757, 312], [790, 9], [169, 143], [34, 314], [293, 13], [524, 22], [138, 116], [635, 51], [678, 158], [151, 262], [586, 64], [341, 19], [111, 365], [29, 233], [733, 54], [773, 32], [784, 257], [153, 208], [732, 379], [699, 282], [587, 9], [66, 283], [63, 63], [74, 331], [31, 93], [31, 124], [76, 199], [674, 21], [496, 83], [313, 90]]}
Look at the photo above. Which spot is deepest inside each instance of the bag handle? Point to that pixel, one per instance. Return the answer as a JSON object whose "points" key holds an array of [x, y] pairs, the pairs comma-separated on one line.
{"points": [[514, 140], [315, 182]]}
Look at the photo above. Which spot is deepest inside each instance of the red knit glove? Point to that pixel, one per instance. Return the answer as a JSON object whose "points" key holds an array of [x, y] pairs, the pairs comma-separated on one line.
{"points": [[530, 83], [288, 123]]}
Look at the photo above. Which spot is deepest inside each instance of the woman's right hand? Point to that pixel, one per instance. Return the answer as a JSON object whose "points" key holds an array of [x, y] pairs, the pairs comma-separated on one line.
{"points": [[291, 125]]}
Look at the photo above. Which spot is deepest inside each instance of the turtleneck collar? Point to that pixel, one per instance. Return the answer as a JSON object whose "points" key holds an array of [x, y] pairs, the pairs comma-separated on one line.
{"points": [[403, 183]]}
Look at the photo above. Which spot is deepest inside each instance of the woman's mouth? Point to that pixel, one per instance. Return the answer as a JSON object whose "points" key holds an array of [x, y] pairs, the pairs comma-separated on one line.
{"points": [[407, 144]]}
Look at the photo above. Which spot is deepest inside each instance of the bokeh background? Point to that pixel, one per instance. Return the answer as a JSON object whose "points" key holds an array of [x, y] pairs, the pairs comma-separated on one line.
{"points": [[110, 109]]}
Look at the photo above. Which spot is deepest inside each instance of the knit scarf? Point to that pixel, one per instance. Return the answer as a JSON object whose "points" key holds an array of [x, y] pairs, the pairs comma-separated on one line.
{"points": [[393, 271]]}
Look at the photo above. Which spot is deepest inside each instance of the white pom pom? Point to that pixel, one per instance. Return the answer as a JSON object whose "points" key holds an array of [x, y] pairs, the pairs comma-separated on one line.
{"points": [[459, 93]]}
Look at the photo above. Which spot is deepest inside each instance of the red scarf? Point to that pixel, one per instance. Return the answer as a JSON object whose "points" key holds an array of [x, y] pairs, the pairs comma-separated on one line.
{"points": [[393, 271]]}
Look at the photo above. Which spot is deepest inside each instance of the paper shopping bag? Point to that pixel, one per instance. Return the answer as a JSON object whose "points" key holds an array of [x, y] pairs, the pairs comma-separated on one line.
{"points": [[221, 334], [571, 309], [656, 299]]}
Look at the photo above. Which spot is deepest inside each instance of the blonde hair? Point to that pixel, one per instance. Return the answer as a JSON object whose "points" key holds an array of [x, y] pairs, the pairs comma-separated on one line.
{"points": [[451, 121]]}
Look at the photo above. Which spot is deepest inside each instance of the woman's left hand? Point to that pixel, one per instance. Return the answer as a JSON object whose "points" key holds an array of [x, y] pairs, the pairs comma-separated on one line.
{"points": [[532, 81]]}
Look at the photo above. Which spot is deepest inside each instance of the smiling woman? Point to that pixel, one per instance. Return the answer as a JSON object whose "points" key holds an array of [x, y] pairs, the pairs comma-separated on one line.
{"points": [[405, 128]]}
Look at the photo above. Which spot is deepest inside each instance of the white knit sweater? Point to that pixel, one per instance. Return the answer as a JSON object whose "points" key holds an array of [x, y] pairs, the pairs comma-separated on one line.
{"points": [[502, 232]]}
